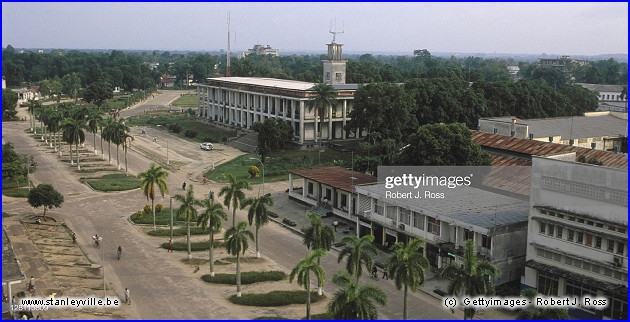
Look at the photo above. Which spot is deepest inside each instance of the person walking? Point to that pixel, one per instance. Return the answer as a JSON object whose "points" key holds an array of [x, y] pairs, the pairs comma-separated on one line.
{"points": [[204, 180], [119, 252], [74, 238], [31, 284], [184, 185], [170, 245], [127, 298], [385, 275]]}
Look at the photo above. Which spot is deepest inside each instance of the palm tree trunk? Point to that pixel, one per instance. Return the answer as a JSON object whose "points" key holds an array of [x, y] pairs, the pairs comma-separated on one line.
{"points": [[210, 253], [153, 209], [125, 147], [117, 157], [405, 303], [319, 288], [188, 238], [234, 217], [109, 152], [70, 149], [257, 251], [78, 165], [308, 295], [95, 153], [238, 274], [102, 151]]}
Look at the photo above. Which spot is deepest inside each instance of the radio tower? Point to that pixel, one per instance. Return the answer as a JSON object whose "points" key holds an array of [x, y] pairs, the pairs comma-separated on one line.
{"points": [[227, 70]]}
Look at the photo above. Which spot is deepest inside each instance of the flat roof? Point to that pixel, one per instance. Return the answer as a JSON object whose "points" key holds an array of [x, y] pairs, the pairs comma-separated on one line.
{"points": [[574, 127], [266, 82], [11, 270], [465, 204], [335, 176]]}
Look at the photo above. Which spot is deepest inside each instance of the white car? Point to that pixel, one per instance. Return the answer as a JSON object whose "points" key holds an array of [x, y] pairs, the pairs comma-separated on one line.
{"points": [[206, 146]]}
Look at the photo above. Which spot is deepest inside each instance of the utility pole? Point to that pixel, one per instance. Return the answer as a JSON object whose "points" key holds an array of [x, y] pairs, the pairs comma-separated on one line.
{"points": [[227, 70]]}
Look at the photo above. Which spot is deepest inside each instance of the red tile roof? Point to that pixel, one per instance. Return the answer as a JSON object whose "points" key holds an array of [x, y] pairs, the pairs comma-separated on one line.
{"points": [[335, 176], [538, 148]]}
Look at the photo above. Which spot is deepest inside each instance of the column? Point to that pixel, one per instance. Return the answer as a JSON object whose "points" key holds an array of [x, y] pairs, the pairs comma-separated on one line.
{"points": [[456, 240], [330, 122], [302, 122], [343, 111], [304, 187]]}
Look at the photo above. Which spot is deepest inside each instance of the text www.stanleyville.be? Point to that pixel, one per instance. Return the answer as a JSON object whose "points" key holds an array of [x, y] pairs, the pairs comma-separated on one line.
{"points": [[45, 304]]}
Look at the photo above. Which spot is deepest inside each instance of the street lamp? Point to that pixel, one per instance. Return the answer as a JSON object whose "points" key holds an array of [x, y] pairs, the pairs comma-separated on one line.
{"points": [[263, 166]]}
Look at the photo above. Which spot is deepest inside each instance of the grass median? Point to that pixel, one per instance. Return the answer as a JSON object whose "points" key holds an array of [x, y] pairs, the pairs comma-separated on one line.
{"points": [[246, 278], [113, 182], [275, 298]]}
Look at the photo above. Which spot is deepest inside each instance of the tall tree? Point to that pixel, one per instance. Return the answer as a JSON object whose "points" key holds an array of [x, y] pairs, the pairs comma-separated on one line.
{"points": [[303, 271], [94, 117], [353, 301], [187, 211], [9, 104], [357, 250], [406, 266], [70, 85], [45, 195], [73, 133], [211, 217], [236, 243], [97, 93], [258, 213], [108, 132], [150, 180], [324, 97], [234, 194], [273, 134], [317, 236], [472, 278]]}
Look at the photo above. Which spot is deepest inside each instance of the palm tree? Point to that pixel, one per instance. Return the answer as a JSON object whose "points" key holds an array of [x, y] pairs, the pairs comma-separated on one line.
{"points": [[325, 96], [187, 211], [472, 278], [406, 266], [303, 272], [54, 125], [259, 212], [211, 217], [354, 302], [123, 132], [93, 119], [236, 243], [234, 194], [73, 133], [357, 250], [118, 137], [154, 177], [318, 236], [534, 312], [33, 105], [108, 132]]}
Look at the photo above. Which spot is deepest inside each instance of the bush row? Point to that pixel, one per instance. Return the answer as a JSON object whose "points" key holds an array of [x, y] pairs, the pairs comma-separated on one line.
{"points": [[246, 277]]}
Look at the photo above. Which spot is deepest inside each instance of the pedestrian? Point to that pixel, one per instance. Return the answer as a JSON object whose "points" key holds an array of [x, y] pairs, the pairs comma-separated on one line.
{"points": [[170, 245], [204, 180], [211, 196], [13, 301], [74, 238], [31, 284], [385, 276], [184, 185], [374, 272], [127, 298]]}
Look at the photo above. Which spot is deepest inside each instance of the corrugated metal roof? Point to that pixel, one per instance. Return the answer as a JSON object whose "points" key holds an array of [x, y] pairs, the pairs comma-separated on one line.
{"points": [[538, 148], [335, 176]]}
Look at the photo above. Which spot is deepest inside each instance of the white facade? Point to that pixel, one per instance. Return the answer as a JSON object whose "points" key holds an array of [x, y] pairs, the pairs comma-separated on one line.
{"points": [[241, 101], [577, 235]]}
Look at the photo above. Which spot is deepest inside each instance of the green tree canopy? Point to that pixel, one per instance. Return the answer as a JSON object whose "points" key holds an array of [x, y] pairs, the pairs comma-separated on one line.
{"points": [[97, 93], [273, 134], [45, 195], [9, 104]]}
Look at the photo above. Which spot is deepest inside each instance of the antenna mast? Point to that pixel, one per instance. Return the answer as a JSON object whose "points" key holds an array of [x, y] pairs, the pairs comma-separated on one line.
{"points": [[227, 71], [335, 32]]}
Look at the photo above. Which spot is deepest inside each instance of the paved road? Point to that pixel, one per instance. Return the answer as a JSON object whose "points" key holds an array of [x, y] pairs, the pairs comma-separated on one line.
{"points": [[152, 275]]}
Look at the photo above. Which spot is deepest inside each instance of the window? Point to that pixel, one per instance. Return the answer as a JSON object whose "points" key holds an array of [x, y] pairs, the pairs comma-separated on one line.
{"points": [[581, 221], [590, 223], [589, 240], [579, 290], [570, 235], [561, 216], [344, 201], [598, 242], [580, 237], [621, 230], [571, 218], [618, 307], [418, 221], [542, 228], [486, 241], [328, 194], [550, 230], [599, 225], [310, 188], [404, 216], [611, 246], [327, 75], [547, 285], [468, 235], [559, 232], [620, 247], [433, 226], [338, 76]]}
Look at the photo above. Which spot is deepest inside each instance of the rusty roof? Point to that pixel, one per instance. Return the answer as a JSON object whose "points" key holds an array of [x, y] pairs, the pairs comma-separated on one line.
{"points": [[335, 176], [538, 148]]}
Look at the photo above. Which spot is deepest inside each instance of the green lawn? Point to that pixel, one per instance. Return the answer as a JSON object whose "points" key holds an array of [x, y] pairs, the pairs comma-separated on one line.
{"points": [[161, 218], [275, 298], [246, 277], [113, 182], [276, 165], [19, 193], [186, 100], [204, 131]]}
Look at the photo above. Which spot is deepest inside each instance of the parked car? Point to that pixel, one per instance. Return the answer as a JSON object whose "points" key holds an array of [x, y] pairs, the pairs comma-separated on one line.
{"points": [[206, 146]]}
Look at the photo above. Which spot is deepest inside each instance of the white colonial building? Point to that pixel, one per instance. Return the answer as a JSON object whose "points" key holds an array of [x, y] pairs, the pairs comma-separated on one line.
{"points": [[577, 239]]}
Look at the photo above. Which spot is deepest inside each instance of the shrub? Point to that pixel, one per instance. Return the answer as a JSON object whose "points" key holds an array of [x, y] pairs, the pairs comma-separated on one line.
{"points": [[159, 207], [246, 278], [175, 128], [275, 298], [289, 222], [208, 139], [139, 215], [147, 209], [194, 246], [272, 214], [253, 171], [190, 133], [179, 232]]}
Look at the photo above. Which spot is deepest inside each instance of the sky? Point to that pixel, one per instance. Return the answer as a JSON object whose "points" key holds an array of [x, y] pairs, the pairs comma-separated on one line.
{"points": [[510, 28]]}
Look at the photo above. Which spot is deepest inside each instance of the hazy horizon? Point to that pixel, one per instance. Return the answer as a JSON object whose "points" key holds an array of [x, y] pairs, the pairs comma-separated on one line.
{"points": [[579, 29]]}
